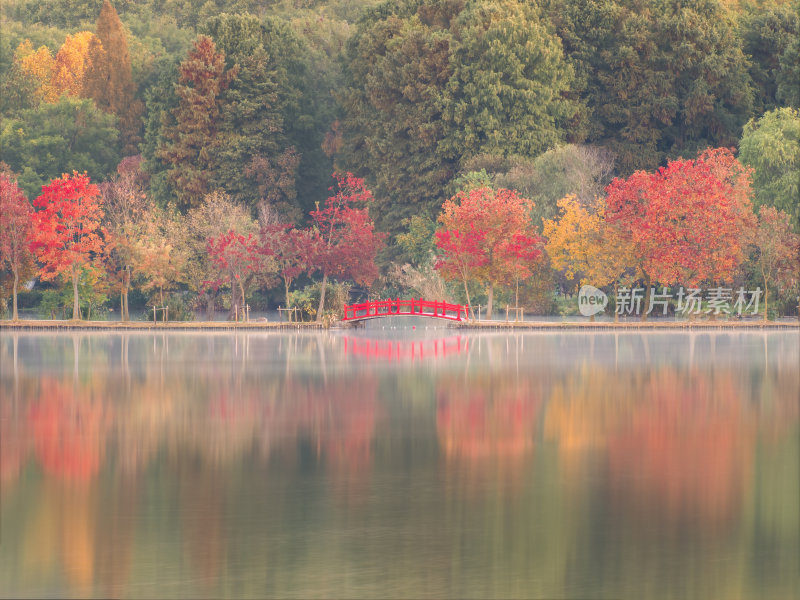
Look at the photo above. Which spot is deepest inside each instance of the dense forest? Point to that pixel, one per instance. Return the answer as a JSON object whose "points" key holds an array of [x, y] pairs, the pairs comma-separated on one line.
{"points": [[205, 135]]}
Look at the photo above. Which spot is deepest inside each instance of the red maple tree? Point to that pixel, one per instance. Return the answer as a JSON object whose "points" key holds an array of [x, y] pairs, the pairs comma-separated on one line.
{"points": [[486, 221], [236, 255], [15, 230], [345, 233], [688, 221], [461, 256], [290, 248], [67, 232]]}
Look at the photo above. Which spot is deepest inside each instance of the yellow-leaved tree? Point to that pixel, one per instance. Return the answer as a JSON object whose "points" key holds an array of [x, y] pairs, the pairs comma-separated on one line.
{"points": [[71, 63], [583, 244], [59, 75], [40, 65]]}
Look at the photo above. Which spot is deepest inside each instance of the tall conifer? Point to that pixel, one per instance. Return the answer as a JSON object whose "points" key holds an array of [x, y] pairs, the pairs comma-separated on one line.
{"points": [[108, 80]]}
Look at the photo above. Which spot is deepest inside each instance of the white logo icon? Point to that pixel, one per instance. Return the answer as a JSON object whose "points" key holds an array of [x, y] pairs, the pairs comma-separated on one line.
{"points": [[591, 300]]}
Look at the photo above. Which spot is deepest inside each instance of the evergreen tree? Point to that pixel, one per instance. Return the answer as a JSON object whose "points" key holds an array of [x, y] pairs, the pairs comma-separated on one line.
{"points": [[429, 84], [191, 143], [108, 79], [395, 73], [659, 79], [788, 92], [251, 125], [767, 32], [771, 146], [161, 102], [269, 107], [505, 94]]}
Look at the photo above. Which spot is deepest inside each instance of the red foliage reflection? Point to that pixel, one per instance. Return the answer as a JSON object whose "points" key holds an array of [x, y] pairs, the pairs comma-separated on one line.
{"points": [[487, 423], [68, 430], [687, 449]]}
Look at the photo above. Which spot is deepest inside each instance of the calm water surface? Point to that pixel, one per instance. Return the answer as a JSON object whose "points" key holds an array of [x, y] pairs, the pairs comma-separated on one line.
{"points": [[400, 463]]}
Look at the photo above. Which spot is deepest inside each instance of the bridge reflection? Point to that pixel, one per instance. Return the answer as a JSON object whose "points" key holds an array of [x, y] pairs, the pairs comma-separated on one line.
{"points": [[405, 350]]}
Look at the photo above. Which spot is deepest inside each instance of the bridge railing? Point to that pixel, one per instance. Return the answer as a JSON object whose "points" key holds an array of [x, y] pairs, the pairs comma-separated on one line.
{"points": [[396, 306]]}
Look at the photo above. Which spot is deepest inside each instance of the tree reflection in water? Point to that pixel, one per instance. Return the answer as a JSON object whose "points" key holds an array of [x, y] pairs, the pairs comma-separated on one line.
{"points": [[343, 465]]}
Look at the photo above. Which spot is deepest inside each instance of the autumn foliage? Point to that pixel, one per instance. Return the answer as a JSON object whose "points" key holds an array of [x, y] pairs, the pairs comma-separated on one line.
{"points": [[67, 230], [15, 230], [291, 249], [346, 239], [487, 235], [687, 220], [237, 255]]}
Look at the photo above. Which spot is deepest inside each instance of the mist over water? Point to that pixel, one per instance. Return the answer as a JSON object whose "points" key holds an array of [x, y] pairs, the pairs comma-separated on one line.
{"points": [[391, 462]]}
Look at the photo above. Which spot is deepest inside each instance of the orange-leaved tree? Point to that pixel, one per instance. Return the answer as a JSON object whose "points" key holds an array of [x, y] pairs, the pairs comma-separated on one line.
{"points": [[160, 250], [67, 234], [689, 221], [15, 230], [777, 251], [108, 79]]}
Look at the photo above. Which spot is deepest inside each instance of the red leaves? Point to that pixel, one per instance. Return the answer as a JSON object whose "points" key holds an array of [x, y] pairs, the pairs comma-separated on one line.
{"points": [[67, 232], [234, 253], [520, 252], [292, 249], [461, 253], [688, 219], [347, 239], [488, 234]]}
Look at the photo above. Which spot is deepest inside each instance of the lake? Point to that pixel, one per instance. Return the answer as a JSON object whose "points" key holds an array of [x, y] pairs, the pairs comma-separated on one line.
{"points": [[399, 462]]}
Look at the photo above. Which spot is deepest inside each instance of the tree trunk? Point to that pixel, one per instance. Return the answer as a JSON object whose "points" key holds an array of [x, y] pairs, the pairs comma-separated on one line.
{"points": [[126, 284], [241, 289], [646, 296], [209, 306], [232, 311], [14, 313], [286, 288], [469, 304], [616, 313], [490, 293], [766, 301], [76, 307], [322, 296]]}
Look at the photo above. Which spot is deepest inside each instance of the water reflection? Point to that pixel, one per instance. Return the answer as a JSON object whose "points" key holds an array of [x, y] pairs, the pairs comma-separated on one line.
{"points": [[301, 465], [405, 350]]}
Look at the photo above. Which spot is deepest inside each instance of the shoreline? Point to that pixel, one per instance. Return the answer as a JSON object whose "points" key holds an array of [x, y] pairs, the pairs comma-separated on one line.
{"points": [[638, 325], [69, 325]]}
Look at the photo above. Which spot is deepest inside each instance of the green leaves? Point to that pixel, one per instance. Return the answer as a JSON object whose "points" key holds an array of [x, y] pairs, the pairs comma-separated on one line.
{"points": [[771, 145], [659, 80], [51, 139], [430, 84]]}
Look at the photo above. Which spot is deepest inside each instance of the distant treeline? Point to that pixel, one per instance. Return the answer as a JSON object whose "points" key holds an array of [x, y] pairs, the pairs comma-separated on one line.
{"points": [[261, 101]]}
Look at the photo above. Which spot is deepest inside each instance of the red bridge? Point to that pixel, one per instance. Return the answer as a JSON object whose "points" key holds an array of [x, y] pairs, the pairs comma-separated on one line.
{"points": [[414, 307]]}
